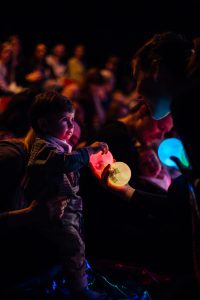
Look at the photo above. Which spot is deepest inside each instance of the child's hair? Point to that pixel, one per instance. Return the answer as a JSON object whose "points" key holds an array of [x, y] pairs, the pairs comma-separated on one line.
{"points": [[48, 103]]}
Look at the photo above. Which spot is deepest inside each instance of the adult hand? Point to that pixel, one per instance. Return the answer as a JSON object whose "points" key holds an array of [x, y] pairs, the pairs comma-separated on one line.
{"points": [[125, 192]]}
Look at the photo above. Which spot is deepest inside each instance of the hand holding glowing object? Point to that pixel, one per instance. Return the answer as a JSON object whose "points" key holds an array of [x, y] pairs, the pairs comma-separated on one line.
{"points": [[119, 172]]}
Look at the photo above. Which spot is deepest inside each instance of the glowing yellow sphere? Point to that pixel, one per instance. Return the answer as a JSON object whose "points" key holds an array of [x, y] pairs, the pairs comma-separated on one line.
{"points": [[120, 174]]}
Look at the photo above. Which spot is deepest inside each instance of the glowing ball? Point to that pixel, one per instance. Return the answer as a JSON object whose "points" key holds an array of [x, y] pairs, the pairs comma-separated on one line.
{"points": [[99, 161], [172, 147], [119, 173]]}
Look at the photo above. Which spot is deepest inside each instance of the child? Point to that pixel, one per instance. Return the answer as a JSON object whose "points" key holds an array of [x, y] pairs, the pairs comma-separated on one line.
{"points": [[52, 176], [152, 173]]}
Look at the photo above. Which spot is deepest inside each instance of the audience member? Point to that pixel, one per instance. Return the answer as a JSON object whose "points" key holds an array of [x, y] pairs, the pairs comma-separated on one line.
{"points": [[160, 68], [38, 74], [76, 65], [52, 176]]}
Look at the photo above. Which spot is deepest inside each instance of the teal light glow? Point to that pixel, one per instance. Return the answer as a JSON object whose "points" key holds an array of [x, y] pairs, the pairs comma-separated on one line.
{"points": [[172, 147]]}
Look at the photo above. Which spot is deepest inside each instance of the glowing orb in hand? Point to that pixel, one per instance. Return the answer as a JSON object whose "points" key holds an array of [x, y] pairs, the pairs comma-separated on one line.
{"points": [[172, 147], [120, 173], [99, 161]]}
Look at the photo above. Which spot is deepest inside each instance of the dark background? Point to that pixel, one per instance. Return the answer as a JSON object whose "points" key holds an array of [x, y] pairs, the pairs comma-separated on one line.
{"points": [[106, 27]]}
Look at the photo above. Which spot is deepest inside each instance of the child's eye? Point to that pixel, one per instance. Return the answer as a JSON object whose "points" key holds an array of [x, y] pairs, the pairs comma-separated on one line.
{"points": [[63, 120]]}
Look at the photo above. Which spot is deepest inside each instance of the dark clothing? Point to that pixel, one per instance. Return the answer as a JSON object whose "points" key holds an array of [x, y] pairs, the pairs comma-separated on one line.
{"points": [[173, 216], [53, 176], [13, 158], [53, 171], [150, 187], [185, 112], [20, 256], [152, 230]]}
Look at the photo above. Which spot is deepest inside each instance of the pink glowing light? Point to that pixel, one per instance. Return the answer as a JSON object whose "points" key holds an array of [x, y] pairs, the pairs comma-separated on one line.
{"points": [[99, 161]]}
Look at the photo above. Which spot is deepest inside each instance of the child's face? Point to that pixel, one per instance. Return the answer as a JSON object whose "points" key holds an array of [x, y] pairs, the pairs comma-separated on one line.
{"points": [[149, 164], [61, 126]]}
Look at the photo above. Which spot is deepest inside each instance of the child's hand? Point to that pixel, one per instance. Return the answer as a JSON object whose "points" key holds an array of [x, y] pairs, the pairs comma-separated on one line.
{"points": [[99, 146], [56, 208]]}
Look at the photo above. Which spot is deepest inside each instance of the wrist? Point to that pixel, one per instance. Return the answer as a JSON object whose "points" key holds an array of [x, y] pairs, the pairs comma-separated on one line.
{"points": [[89, 150], [128, 192]]}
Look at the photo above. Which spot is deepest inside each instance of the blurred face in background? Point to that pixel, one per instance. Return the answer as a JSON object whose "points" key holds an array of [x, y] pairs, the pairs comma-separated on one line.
{"points": [[59, 50], [79, 51], [16, 45], [40, 51], [6, 53]]}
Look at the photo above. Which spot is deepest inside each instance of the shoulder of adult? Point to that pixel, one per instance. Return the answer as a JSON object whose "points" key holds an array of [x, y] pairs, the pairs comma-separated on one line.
{"points": [[12, 151], [13, 146]]}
